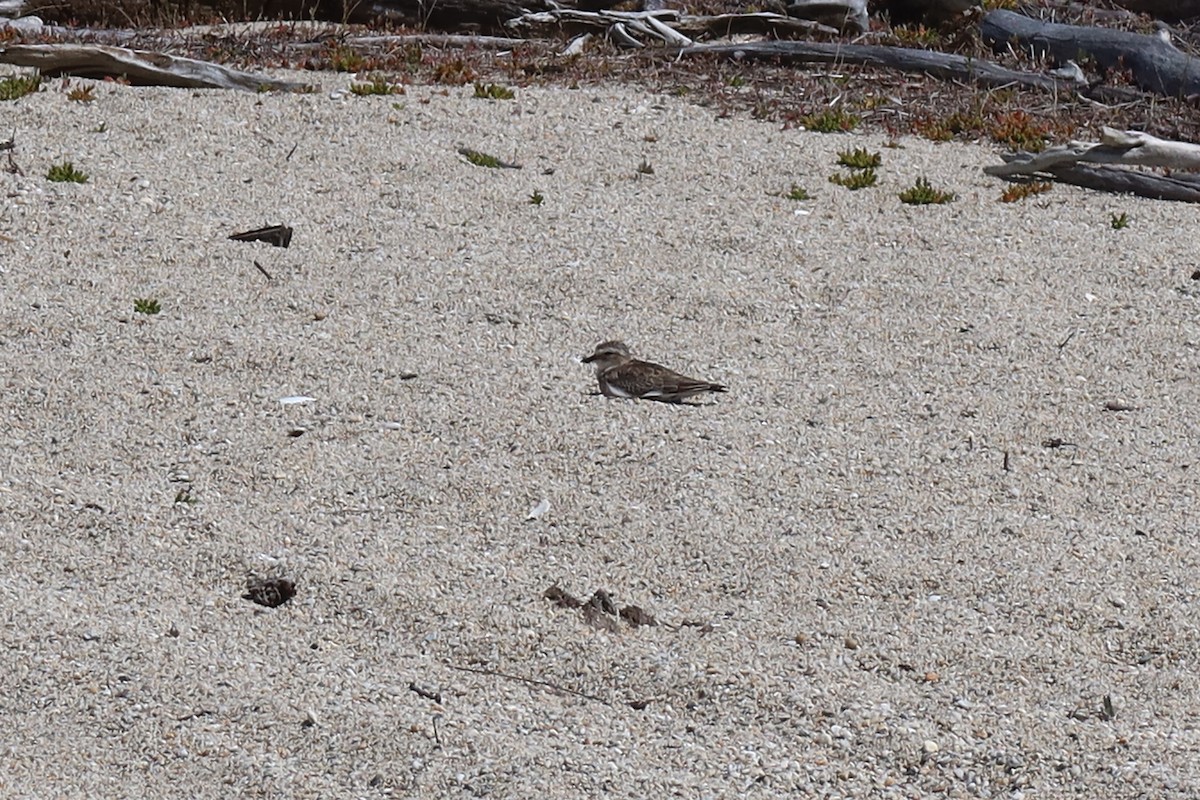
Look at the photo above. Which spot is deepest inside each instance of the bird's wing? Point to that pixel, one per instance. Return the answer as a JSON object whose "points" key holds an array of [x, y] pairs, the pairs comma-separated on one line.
{"points": [[656, 382]]}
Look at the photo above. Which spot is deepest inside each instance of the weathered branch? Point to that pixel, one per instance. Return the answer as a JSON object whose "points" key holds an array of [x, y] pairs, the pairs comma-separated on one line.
{"points": [[1157, 66], [665, 25], [1119, 148], [1127, 148], [939, 65], [763, 22], [138, 66], [436, 40], [1184, 189], [849, 16]]}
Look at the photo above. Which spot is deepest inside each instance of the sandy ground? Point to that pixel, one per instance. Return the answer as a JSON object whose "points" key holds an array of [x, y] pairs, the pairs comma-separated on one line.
{"points": [[873, 573]]}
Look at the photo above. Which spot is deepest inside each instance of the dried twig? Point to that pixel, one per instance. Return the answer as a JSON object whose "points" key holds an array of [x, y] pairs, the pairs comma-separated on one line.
{"points": [[426, 693], [531, 681], [11, 147]]}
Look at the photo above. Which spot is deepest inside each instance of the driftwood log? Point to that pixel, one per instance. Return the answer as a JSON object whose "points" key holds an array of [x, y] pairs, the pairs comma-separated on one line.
{"points": [[1116, 149], [940, 65], [138, 66], [666, 26], [776, 26], [1157, 65], [620, 25], [847, 16]]}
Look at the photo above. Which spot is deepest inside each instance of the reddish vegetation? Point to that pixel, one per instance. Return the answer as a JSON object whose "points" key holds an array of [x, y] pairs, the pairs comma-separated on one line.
{"points": [[817, 97]]}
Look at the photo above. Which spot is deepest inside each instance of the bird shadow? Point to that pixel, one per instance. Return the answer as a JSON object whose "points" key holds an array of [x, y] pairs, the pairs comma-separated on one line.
{"points": [[655, 400]]}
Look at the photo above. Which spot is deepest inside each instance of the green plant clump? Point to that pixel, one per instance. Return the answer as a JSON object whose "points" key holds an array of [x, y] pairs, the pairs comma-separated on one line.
{"points": [[919, 37], [1020, 191], [798, 193], [480, 159], [859, 158], [536, 199], [1119, 221], [858, 179], [66, 173], [344, 59], [831, 121], [17, 86], [376, 85], [921, 194], [82, 94], [493, 91], [146, 305]]}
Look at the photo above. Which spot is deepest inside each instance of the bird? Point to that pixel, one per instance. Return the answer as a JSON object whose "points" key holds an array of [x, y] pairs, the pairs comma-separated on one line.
{"points": [[621, 375]]}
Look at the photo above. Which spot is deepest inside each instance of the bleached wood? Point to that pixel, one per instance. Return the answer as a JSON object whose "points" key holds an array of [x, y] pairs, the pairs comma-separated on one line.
{"points": [[668, 34], [138, 66], [574, 18], [763, 22], [443, 40], [671, 27], [1116, 149], [575, 47], [848, 16], [1126, 148], [621, 36]]}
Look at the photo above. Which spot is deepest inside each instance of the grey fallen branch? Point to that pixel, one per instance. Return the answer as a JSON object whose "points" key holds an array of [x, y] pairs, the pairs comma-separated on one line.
{"points": [[619, 34], [939, 65], [849, 16], [574, 21], [141, 67], [763, 22], [664, 25], [1157, 65], [1117, 149], [437, 40]]}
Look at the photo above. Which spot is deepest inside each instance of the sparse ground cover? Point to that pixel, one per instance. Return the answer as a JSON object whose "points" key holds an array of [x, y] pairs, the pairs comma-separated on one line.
{"points": [[838, 99]]}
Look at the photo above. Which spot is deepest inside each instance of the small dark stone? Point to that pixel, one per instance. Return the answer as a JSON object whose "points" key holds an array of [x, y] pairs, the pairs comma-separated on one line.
{"points": [[269, 592], [275, 235], [561, 598], [595, 617], [635, 616], [603, 601]]}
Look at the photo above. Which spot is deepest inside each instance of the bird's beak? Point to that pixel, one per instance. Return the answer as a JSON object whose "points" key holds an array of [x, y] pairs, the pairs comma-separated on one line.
{"points": [[588, 359]]}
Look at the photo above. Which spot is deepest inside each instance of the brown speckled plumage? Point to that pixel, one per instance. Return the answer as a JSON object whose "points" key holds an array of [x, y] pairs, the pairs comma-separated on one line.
{"points": [[621, 375]]}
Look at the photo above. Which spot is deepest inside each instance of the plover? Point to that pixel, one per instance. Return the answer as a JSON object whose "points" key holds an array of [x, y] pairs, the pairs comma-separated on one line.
{"points": [[622, 375]]}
